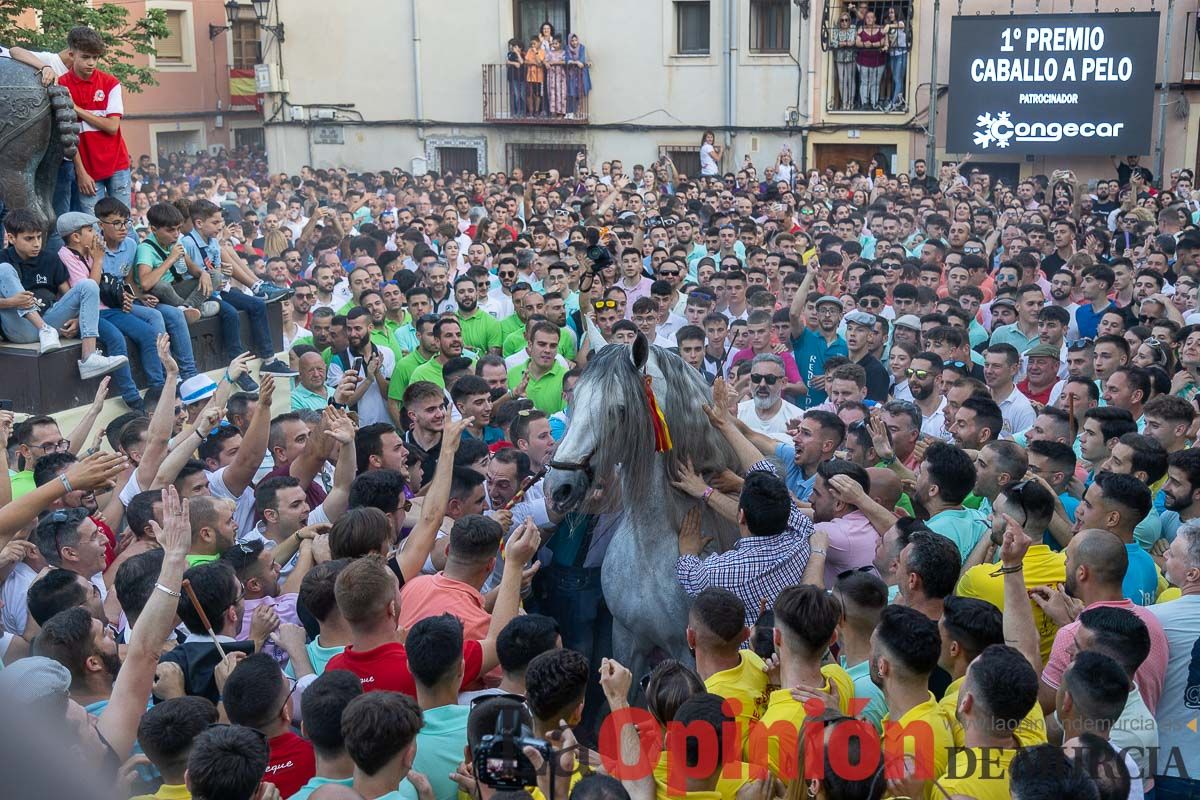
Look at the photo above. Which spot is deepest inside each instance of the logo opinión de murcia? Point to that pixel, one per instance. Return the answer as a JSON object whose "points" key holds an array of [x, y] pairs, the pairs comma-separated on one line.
{"points": [[1000, 130]]}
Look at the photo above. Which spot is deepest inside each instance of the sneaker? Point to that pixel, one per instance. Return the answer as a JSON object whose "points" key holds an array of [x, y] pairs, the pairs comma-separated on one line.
{"points": [[210, 308], [98, 364], [246, 384], [48, 340], [278, 369], [192, 315], [270, 293]]}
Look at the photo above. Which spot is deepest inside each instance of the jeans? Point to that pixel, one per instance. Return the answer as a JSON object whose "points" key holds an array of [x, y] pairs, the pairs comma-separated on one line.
{"points": [[66, 198], [868, 85], [1171, 788], [899, 66], [573, 596], [142, 334], [172, 320], [260, 332], [118, 185], [113, 342], [82, 301]]}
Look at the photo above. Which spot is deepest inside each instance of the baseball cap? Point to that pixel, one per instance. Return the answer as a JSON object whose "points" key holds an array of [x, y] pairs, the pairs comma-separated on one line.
{"points": [[1004, 301], [196, 388], [911, 321], [72, 221], [32, 678], [1045, 351], [860, 318], [831, 299]]}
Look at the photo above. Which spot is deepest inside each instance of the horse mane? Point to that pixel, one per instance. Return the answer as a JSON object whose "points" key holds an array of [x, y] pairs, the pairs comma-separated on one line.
{"points": [[681, 393]]}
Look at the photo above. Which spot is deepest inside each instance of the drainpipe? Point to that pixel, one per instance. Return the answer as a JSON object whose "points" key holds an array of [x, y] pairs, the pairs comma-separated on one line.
{"points": [[1160, 154], [730, 73], [416, 36]]}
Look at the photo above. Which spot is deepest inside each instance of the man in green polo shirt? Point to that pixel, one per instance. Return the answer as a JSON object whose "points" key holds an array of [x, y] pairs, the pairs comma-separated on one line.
{"points": [[310, 391], [1023, 334], [448, 332], [427, 348], [533, 305], [515, 322], [541, 374], [480, 330], [380, 336], [37, 437], [360, 281]]}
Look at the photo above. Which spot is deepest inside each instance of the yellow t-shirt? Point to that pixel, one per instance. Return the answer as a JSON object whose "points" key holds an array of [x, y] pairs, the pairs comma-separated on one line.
{"points": [[1042, 567], [168, 792], [731, 779], [744, 686], [938, 742], [1031, 731], [980, 774], [784, 719], [1167, 595]]}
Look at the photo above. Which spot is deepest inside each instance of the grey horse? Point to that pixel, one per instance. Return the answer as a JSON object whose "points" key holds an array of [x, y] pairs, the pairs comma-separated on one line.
{"points": [[38, 129], [611, 442]]}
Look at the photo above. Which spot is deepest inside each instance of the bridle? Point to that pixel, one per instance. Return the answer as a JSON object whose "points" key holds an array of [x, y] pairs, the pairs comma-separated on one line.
{"points": [[582, 465]]}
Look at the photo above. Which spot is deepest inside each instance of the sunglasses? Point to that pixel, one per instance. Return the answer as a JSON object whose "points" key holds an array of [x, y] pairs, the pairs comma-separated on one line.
{"points": [[973, 251], [870, 303], [1146, 319], [600, 305], [668, 273], [1076, 344], [770, 380], [920, 374]]}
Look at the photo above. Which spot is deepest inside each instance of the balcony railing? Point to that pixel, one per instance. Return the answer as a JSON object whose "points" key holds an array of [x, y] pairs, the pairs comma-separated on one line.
{"points": [[883, 88], [1191, 49], [559, 99]]}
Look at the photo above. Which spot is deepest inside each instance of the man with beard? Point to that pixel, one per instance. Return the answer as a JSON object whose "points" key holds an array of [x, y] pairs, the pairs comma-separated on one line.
{"points": [[1064, 246], [1062, 288], [505, 473], [448, 332], [480, 330], [87, 648], [765, 411], [944, 479], [426, 348], [373, 367], [925, 383], [1096, 562], [381, 334], [1181, 491], [1118, 503], [811, 348]]}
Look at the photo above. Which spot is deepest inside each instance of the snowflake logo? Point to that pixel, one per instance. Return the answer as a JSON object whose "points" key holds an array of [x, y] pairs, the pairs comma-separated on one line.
{"points": [[997, 129]]}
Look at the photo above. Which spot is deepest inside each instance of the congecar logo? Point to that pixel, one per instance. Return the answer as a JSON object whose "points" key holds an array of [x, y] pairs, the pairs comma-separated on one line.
{"points": [[1000, 130]]}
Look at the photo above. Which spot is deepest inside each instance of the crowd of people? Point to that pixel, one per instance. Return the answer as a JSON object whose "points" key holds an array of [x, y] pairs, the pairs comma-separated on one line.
{"points": [[968, 505], [550, 76]]}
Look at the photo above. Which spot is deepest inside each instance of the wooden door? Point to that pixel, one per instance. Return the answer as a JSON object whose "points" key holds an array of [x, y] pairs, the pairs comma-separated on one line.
{"points": [[836, 155]]}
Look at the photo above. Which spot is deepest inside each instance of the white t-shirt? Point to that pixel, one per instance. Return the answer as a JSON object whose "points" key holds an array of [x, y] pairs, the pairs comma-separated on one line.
{"points": [[15, 614], [776, 426], [243, 515], [372, 406], [708, 164]]}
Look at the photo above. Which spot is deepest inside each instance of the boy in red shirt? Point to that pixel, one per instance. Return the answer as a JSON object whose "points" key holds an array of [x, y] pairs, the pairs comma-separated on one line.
{"points": [[102, 164]]}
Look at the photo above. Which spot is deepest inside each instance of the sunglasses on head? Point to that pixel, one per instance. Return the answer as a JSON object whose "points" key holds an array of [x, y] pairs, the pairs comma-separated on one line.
{"points": [[770, 380], [1076, 344]]}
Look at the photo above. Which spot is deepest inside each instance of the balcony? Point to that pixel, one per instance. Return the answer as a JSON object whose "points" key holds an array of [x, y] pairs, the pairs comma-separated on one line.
{"points": [[1191, 49], [508, 98], [850, 89]]}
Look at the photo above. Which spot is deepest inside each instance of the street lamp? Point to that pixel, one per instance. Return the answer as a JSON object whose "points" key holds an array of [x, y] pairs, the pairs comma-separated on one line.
{"points": [[261, 7], [231, 14]]}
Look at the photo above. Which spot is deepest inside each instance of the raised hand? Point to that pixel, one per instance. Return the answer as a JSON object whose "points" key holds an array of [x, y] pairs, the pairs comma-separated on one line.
{"points": [[97, 471], [523, 544], [1015, 545], [615, 680], [101, 393], [175, 534], [266, 389]]}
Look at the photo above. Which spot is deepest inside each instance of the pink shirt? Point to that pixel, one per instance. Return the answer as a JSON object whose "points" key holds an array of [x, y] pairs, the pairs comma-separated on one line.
{"points": [[1149, 675], [77, 268], [852, 542], [432, 595], [285, 607]]}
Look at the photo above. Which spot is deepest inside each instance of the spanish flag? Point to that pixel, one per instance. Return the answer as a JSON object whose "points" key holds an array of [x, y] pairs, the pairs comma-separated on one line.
{"points": [[241, 88]]}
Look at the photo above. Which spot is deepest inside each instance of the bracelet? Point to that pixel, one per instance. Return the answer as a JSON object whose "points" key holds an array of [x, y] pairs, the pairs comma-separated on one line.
{"points": [[1007, 570], [91, 451], [708, 491], [227, 379], [817, 550], [66, 483], [165, 590]]}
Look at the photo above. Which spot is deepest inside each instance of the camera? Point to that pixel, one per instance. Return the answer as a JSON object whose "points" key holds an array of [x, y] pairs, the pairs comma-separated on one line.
{"points": [[499, 759]]}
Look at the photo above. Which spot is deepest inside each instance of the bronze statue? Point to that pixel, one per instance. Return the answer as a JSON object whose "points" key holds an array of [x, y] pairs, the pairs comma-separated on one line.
{"points": [[38, 129]]}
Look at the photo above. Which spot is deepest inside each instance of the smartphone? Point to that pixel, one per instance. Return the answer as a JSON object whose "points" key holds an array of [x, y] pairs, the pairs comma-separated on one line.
{"points": [[6, 405], [127, 289], [358, 366]]}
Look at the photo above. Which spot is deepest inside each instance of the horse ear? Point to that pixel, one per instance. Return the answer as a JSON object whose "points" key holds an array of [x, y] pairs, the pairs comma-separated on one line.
{"points": [[640, 351]]}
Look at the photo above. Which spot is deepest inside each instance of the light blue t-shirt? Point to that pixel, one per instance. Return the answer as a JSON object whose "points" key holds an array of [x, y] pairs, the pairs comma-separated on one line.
{"points": [[1176, 712], [120, 261], [439, 750], [794, 477], [963, 526], [1141, 577], [316, 782], [811, 352], [864, 687]]}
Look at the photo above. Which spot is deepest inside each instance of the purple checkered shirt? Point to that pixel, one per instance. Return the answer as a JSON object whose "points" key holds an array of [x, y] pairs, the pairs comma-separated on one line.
{"points": [[757, 567]]}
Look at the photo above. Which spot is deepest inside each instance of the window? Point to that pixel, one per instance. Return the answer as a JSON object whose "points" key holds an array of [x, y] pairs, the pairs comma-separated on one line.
{"points": [[533, 158], [169, 49], [247, 46], [691, 25], [532, 13], [770, 26], [457, 159], [685, 157], [252, 138]]}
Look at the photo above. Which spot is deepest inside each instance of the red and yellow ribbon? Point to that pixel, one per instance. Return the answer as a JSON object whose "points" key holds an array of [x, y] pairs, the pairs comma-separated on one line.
{"points": [[662, 434]]}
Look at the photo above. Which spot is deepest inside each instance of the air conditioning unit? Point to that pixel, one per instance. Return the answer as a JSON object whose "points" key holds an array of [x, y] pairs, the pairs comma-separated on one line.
{"points": [[266, 79]]}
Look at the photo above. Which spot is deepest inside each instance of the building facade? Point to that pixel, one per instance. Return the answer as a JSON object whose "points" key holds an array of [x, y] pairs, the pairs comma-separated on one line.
{"points": [[424, 85], [205, 94]]}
